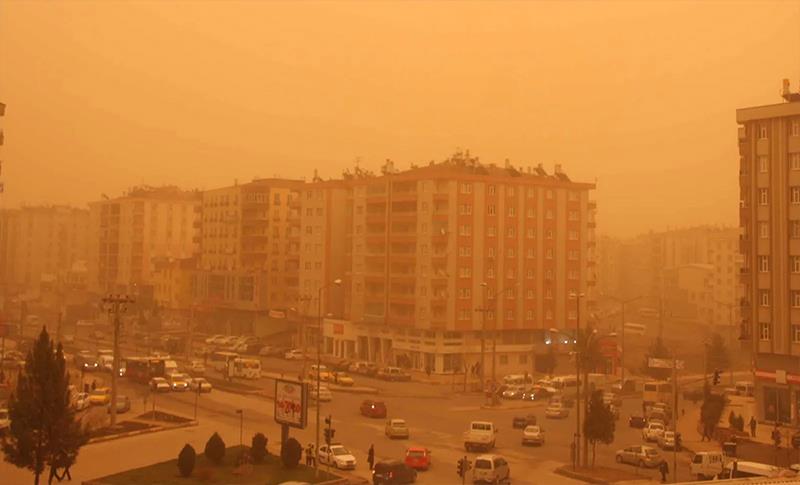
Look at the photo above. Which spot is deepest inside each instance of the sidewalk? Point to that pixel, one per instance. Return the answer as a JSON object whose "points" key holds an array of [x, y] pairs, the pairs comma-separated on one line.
{"points": [[690, 435]]}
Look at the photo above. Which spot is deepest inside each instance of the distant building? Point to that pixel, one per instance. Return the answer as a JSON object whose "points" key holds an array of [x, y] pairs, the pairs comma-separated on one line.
{"points": [[769, 215], [128, 233]]}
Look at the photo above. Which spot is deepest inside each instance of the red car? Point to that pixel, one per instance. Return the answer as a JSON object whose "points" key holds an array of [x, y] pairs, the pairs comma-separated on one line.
{"points": [[418, 458], [373, 409]]}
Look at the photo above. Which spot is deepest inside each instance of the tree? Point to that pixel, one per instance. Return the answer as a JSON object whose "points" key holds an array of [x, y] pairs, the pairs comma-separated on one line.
{"points": [[717, 356], [599, 425], [43, 431], [258, 448], [710, 412], [549, 360], [186, 460], [657, 350], [215, 449], [588, 348], [290, 453]]}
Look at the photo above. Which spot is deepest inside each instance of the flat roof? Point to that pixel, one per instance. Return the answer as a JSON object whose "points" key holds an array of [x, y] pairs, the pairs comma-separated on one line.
{"points": [[779, 110]]}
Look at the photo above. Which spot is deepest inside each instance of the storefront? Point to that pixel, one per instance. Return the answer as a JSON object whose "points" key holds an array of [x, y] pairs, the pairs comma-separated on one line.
{"points": [[777, 396]]}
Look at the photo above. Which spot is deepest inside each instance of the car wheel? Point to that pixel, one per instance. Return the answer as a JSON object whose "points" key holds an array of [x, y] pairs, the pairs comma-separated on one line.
{"points": [[619, 458]]}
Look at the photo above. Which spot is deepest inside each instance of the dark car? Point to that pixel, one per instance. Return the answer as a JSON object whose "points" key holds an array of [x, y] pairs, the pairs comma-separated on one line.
{"points": [[637, 422], [373, 409], [389, 472], [536, 394], [341, 365], [523, 421]]}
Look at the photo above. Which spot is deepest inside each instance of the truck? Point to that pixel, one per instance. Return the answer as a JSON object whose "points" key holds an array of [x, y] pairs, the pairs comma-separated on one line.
{"points": [[480, 436]]}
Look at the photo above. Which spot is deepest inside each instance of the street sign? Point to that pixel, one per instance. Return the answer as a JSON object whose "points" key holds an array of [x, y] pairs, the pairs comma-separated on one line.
{"points": [[291, 403], [664, 363]]}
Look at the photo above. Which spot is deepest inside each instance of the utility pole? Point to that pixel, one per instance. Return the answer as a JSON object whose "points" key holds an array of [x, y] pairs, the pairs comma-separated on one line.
{"points": [[675, 418], [622, 358], [114, 306], [483, 311], [577, 297], [319, 358]]}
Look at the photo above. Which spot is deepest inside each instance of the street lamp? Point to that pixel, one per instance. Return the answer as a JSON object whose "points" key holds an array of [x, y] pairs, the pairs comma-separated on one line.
{"points": [[622, 357], [336, 282], [240, 412], [577, 296]]}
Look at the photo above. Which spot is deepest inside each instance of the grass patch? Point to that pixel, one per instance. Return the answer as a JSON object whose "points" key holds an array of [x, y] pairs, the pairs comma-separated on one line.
{"points": [[119, 428], [163, 417], [270, 472]]}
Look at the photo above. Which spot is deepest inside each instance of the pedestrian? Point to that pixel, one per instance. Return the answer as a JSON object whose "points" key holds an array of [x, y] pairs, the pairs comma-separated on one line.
{"points": [[664, 469], [371, 456], [310, 455], [94, 384], [753, 426]]}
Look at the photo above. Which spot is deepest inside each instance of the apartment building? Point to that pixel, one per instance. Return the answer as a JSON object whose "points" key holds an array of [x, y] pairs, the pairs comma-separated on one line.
{"points": [[437, 254], [769, 215], [40, 245], [129, 233], [250, 250]]}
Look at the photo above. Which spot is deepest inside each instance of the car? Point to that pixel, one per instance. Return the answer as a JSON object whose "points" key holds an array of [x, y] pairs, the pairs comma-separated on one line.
{"points": [[100, 396], [667, 440], [513, 392], [294, 354], [341, 365], [80, 401], [652, 431], [178, 381], [396, 428], [556, 411], [363, 367], [159, 384], [336, 456], [322, 393], [537, 393], [532, 435], [123, 404], [214, 339], [610, 398], [342, 379], [373, 409], [393, 374], [637, 422], [392, 472], [418, 458], [200, 383], [520, 422], [5, 421], [86, 361], [197, 367], [324, 374], [639, 455], [270, 351], [490, 469], [481, 435]]}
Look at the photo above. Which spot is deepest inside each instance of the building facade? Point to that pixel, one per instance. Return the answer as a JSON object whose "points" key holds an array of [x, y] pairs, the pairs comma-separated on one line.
{"points": [[769, 215], [440, 257]]}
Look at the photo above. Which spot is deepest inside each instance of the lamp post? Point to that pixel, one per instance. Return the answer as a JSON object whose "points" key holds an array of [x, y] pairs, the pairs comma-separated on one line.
{"points": [[240, 412], [336, 282], [731, 308], [577, 297], [622, 357], [494, 339]]}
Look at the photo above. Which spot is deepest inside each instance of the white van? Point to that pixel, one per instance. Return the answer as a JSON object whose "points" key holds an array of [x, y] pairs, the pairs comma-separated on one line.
{"points": [[564, 383], [707, 464], [490, 469], [744, 388]]}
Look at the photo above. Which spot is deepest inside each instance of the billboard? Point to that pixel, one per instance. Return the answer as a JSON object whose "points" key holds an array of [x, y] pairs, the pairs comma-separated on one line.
{"points": [[291, 403]]}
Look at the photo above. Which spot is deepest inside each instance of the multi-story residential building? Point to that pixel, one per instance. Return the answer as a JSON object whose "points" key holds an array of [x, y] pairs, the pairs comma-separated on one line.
{"points": [[439, 256], [40, 244], [128, 233], [250, 250], [769, 215]]}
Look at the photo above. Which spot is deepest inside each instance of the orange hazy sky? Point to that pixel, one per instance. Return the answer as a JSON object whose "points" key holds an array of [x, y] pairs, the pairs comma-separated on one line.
{"points": [[638, 96]]}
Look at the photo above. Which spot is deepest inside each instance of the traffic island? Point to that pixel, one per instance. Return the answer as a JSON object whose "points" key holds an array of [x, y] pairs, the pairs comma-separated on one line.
{"points": [[149, 422], [598, 474], [270, 472]]}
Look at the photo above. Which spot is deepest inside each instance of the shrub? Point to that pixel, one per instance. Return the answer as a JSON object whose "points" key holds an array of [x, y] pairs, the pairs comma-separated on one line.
{"points": [[215, 449], [258, 448], [290, 453], [186, 459]]}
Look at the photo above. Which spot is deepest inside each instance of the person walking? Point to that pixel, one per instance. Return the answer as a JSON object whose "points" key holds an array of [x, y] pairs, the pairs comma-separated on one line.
{"points": [[310, 458], [371, 456], [664, 469], [753, 426]]}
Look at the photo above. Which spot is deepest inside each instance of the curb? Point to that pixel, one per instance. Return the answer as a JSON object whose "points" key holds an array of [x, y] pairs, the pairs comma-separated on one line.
{"points": [[564, 471], [155, 429]]}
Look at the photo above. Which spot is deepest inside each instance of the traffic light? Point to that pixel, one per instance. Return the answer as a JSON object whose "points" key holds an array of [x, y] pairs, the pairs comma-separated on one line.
{"points": [[460, 467], [328, 420], [716, 376], [327, 432]]}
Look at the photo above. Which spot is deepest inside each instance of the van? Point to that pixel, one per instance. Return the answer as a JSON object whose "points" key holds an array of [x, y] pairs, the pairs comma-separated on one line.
{"points": [[490, 469], [707, 464], [744, 388]]}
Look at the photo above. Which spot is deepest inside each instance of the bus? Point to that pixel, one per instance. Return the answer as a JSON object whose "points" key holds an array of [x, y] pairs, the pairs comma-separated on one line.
{"points": [[656, 391], [142, 369], [220, 361], [247, 368]]}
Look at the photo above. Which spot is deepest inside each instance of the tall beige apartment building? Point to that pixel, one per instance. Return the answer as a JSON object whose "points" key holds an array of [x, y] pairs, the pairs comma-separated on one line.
{"points": [[769, 214], [436, 254], [40, 244], [128, 234]]}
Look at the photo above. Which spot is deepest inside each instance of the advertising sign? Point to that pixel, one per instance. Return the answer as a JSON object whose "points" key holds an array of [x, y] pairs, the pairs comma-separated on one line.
{"points": [[291, 403]]}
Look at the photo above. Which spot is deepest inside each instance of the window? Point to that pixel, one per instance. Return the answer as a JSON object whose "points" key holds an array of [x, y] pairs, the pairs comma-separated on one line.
{"points": [[794, 228], [490, 273], [424, 206], [491, 231], [763, 230], [511, 232], [794, 161], [510, 273], [491, 252], [491, 209], [572, 315], [764, 297], [548, 293], [548, 253], [530, 233], [531, 212], [763, 164], [573, 215], [763, 196], [548, 274], [795, 195], [796, 299], [510, 253], [465, 272], [795, 264], [510, 192], [549, 315], [795, 334], [466, 188], [309, 212], [465, 230], [762, 132], [549, 214], [548, 234], [573, 235], [573, 274], [529, 253], [763, 264], [465, 209], [796, 128], [509, 314], [464, 293], [765, 331], [529, 294], [529, 274], [491, 189], [512, 211], [572, 255], [465, 251]]}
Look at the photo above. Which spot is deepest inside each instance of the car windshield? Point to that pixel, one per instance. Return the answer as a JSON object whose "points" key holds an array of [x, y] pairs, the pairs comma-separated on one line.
{"points": [[340, 450], [651, 452], [482, 426], [98, 392], [179, 377], [532, 429], [416, 453], [399, 424], [483, 464]]}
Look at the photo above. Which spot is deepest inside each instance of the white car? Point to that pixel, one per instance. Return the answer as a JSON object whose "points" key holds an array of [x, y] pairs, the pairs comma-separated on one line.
{"points": [[396, 428], [200, 383], [336, 456], [652, 431], [556, 410], [159, 384], [294, 354], [178, 381], [197, 367], [323, 394], [533, 435], [81, 401], [213, 339], [491, 469]]}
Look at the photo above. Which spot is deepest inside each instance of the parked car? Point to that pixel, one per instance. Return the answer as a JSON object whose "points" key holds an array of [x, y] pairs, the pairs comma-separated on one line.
{"points": [[533, 435], [341, 365], [641, 456], [520, 422], [652, 431], [637, 422], [418, 458], [393, 374], [294, 354], [201, 383], [321, 393], [373, 409], [214, 339], [667, 441], [100, 396], [123, 404], [490, 469], [364, 368], [178, 381], [396, 428], [556, 411], [392, 472], [159, 384], [197, 367], [336, 456]]}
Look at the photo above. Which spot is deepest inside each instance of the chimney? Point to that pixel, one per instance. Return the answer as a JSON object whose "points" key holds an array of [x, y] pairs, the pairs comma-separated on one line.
{"points": [[557, 168], [508, 163], [786, 88]]}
